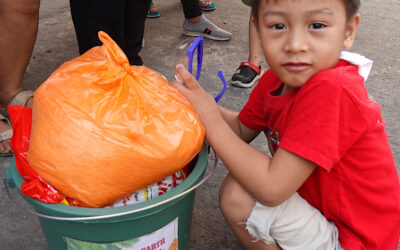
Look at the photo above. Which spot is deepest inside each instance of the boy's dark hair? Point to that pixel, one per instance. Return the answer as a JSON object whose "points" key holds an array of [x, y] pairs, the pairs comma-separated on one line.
{"points": [[351, 6]]}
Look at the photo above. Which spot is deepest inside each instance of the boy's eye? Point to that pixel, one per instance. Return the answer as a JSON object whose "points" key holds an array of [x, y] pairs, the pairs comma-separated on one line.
{"points": [[316, 26], [278, 26]]}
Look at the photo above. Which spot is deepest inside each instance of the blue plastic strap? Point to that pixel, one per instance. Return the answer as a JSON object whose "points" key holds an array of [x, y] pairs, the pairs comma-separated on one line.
{"points": [[221, 76], [196, 44]]}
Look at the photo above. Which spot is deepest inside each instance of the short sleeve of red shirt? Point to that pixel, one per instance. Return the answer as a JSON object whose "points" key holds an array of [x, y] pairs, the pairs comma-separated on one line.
{"points": [[324, 121], [253, 114]]}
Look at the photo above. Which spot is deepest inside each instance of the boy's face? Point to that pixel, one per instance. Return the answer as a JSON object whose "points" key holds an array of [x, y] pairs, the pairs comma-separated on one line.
{"points": [[303, 37]]}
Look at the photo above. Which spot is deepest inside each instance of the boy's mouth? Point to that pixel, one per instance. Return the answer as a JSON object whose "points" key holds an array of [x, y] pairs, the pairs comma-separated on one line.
{"points": [[296, 66]]}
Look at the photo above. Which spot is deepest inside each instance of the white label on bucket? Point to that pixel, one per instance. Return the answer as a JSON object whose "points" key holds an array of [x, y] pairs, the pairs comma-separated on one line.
{"points": [[165, 238]]}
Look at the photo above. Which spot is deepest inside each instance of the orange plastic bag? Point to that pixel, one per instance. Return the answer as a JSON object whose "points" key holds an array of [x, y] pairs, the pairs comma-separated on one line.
{"points": [[102, 129]]}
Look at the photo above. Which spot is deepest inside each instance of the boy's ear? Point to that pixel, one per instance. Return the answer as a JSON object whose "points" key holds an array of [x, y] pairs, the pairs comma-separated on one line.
{"points": [[351, 29]]}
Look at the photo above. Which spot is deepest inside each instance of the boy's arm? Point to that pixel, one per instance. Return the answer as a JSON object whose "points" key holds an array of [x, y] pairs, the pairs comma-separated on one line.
{"points": [[269, 181], [232, 118]]}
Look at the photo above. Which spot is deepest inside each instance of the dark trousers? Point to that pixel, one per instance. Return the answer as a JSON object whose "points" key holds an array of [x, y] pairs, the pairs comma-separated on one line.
{"points": [[122, 20], [191, 8]]}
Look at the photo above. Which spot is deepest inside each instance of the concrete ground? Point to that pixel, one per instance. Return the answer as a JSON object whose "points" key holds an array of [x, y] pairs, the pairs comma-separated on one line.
{"points": [[378, 38]]}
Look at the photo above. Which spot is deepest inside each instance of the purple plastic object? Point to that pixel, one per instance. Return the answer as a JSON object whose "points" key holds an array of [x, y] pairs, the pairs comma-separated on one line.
{"points": [[196, 44]]}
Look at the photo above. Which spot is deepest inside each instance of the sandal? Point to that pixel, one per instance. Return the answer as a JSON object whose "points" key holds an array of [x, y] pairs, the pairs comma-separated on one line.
{"points": [[153, 11], [246, 75], [4, 136], [20, 99], [204, 5]]}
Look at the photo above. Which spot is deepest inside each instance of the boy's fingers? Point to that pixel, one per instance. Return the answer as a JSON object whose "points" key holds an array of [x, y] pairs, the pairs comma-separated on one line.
{"points": [[187, 78], [179, 86]]}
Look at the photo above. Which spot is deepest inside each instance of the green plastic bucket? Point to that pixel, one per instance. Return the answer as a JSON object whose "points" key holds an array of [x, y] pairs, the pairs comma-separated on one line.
{"points": [[147, 225]]}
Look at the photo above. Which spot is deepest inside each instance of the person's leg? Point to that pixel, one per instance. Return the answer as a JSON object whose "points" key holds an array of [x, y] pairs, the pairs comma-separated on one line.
{"points": [[254, 43], [196, 24], [294, 224], [236, 206], [89, 17], [191, 9], [249, 72], [134, 21], [18, 29], [122, 20]]}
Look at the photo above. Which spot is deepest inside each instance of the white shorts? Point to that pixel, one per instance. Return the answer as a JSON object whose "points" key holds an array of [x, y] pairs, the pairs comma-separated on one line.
{"points": [[294, 224]]}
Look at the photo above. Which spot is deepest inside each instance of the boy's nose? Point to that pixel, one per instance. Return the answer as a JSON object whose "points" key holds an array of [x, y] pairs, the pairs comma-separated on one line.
{"points": [[296, 42]]}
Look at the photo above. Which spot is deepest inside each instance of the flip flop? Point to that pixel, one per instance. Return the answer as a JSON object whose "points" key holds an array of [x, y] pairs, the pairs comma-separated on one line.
{"points": [[21, 98], [205, 7], [153, 14]]}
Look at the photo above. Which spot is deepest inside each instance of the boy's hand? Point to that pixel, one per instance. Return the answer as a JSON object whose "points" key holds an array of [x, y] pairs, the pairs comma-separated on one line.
{"points": [[202, 102]]}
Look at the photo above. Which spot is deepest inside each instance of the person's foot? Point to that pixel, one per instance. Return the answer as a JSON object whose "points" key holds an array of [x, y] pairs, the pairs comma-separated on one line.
{"points": [[206, 29], [207, 5], [153, 11], [5, 138], [246, 75]]}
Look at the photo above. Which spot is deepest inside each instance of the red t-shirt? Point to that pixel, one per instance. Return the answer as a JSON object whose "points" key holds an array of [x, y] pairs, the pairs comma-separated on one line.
{"points": [[332, 122]]}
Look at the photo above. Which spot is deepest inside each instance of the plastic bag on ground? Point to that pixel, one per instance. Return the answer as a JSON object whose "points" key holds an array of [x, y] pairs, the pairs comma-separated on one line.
{"points": [[102, 129]]}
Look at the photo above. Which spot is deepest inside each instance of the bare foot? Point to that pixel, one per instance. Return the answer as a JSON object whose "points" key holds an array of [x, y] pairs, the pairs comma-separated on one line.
{"points": [[29, 102], [153, 8], [205, 2]]}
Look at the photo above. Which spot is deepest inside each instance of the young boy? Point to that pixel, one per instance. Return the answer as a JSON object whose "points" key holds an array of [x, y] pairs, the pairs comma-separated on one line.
{"points": [[332, 181]]}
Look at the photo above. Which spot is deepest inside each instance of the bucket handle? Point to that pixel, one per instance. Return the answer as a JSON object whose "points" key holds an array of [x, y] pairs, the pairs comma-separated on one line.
{"points": [[107, 216]]}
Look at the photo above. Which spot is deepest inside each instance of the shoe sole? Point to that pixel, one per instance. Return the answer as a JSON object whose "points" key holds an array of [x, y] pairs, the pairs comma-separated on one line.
{"points": [[246, 85], [153, 16], [189, 33], [207, 9]]}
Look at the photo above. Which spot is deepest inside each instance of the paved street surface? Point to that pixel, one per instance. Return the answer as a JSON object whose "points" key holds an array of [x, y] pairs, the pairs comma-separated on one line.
{"points": [[378, 38]]}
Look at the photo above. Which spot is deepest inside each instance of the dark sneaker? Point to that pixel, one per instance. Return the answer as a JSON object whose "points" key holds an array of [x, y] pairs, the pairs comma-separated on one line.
{"points": [[246, 75]]}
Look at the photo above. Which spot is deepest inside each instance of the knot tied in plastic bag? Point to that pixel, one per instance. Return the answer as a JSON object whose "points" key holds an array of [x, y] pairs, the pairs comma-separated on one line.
{"points": [[102, 129]]}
